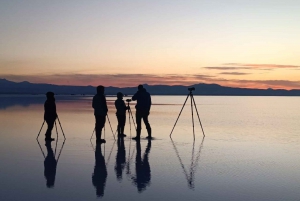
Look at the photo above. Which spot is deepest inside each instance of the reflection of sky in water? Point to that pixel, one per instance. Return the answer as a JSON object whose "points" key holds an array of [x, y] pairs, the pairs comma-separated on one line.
{"points": [[250, 151]]}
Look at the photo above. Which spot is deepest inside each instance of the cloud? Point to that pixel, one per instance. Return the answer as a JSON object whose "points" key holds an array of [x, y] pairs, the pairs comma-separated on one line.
{"points": [[225, 68], [234, 73], [261, 66], [243, 66]]}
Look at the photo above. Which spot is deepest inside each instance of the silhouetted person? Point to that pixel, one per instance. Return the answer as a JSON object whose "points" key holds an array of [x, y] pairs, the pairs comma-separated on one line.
{"points": [[121, 114], [100, 112], [50, 114], [50, 164], [100, 172], [143, 106], [120, 158], [142, 167]]}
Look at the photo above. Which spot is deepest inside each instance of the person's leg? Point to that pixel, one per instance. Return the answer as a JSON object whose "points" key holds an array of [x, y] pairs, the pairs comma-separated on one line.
{"points": [[100, 121], [119, 125], [123, 120], [138, 118], [147, 124], [97, 128], [50, 123]]}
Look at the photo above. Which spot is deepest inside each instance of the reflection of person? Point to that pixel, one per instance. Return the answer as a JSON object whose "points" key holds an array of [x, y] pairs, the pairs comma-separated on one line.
{"points": [[143, 106], [121, 114], [100, 172], [100, 112], [120, 159], [50, 164], [50, 114], [142, 167]]}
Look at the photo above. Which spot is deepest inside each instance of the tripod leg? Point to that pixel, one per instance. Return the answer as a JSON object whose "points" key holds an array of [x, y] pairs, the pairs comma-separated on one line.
{"points": [[192, 116], [111, 128], [132, 118], [104, 132], [61, 128], [129, 122], [56, 138], [40, 130], [179, 114], [62, 146], [92, 133], [41, 148], [198, 116], [56, 130]]}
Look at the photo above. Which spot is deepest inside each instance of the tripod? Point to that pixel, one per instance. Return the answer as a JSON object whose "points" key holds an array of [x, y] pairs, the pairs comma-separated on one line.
{"points": [[192, 103], [130, 115], [55, 127], [104, 129]]}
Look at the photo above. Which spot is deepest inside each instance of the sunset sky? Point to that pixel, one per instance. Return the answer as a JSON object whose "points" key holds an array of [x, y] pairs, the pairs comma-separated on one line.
{"points": [[240, 43]]}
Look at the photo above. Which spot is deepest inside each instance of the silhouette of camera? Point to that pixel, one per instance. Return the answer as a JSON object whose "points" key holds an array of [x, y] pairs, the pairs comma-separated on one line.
{"points": [[191, 89], [128, 100]]}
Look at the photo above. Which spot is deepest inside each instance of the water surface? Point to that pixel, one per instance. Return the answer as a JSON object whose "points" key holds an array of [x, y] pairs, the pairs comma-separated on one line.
{"points": [[250, 152]]}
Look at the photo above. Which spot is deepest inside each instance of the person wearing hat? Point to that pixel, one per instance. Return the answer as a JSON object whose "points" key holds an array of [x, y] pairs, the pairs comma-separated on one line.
{"points": [[50, 114], [121, 114], [142, 106], [100, 112]]}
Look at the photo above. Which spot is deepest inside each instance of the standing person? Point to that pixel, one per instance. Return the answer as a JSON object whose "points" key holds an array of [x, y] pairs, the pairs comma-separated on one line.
{"points": [[50, 114], [121, 114], [100, 112], [143, 106]]}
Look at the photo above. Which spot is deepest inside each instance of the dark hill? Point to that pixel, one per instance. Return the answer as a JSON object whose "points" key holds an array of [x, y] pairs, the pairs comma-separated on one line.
{"points": [[9, 87]]}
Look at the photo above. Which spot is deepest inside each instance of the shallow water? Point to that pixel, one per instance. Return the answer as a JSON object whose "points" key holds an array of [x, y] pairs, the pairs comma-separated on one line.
{"points": [[250, 152]]}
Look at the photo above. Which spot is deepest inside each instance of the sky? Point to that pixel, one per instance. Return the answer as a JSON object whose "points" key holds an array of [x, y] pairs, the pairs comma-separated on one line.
{"points": [[237, 43]]}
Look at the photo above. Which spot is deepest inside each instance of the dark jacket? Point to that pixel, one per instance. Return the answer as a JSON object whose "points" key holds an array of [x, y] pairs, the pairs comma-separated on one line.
{"points": [[143, 99], [99, 105], [50, 109], [121, 107]]}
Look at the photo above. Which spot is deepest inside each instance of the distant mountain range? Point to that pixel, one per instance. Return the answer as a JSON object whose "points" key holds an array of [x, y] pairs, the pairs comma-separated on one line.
{"points": [[9, 87]]}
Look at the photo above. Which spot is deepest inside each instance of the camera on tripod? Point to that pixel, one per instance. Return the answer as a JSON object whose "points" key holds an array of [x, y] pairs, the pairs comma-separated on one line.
{"points": [[128, 100], [191, 89]]}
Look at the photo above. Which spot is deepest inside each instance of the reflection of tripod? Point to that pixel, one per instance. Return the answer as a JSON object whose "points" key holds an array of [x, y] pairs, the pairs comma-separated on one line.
{"points": [[190, 176], [109, 156], [192, 102], [130, 114], [55, 127], [104, 130], [62, 146]]}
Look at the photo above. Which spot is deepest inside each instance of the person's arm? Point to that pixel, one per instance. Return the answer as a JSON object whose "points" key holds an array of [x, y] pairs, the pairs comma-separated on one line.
{"points": [[45, 111], [54, 109], [104, 104], [124, 105], [118, 105], [134, 97], [93, 103], [150, 102]]}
